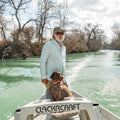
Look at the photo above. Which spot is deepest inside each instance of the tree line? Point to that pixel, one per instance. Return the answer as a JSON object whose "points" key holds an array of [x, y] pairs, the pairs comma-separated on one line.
{"points": [[19, 43], [115, 44]]}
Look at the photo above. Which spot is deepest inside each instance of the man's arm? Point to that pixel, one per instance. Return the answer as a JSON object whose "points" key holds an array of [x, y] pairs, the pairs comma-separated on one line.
{"points": [[43, 62], [64, 80]]}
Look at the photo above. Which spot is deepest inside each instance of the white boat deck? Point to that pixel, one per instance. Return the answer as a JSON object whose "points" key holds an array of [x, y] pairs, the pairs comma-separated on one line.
{"points": [[42, 108]]}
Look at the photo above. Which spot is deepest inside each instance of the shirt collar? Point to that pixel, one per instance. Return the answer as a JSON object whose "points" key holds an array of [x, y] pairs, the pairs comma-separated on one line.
{"points": [[55, 42]]}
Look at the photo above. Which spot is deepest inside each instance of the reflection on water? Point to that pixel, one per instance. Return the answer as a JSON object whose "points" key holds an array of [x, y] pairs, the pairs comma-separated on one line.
{"points": [[94, 75]]}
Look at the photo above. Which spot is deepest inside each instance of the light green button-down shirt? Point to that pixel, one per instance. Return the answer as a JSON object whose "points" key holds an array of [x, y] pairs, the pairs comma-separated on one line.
{"points": [[52, 59]]}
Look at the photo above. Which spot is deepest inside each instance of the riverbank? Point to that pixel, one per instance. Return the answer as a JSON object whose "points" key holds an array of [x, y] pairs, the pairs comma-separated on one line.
{"points": [[11, 50], [21, 49]]}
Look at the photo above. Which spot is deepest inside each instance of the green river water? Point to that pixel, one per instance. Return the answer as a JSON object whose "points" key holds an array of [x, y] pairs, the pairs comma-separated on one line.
{"points": [[94, 75]]}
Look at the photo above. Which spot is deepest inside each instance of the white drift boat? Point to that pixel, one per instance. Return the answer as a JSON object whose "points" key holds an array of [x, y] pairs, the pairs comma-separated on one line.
{"points": [[43, 109]]}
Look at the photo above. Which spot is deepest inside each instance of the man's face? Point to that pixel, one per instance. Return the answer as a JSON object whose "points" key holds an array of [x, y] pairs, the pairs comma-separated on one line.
{"points": [[59, 36]]}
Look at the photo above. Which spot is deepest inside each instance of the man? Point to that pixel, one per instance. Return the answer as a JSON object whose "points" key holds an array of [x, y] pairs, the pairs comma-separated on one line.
{"points": [[53, 58]]}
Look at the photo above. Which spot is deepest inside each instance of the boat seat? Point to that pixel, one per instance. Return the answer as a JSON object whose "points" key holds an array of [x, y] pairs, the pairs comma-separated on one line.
{"points": [[76, 117], [69, 115]]}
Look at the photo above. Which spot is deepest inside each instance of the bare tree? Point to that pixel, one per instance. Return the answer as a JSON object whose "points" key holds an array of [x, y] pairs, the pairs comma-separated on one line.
{"points": [[3, 27], [62, 14], [116, 29], [3, 22], [116, 38], [95, 37], [75, 41], [44, 16], [27, 35], [17, 7], [1, 8]]}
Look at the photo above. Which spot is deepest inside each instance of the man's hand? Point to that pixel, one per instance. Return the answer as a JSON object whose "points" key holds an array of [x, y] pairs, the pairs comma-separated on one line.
{"points": [[44, 81]]}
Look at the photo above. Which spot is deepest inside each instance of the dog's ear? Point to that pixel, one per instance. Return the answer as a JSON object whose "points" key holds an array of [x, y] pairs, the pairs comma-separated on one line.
{"points": [[53, 76]]}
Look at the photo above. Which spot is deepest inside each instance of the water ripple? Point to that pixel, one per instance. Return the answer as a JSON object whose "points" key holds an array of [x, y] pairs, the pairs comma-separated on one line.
{"points": [[111, 88], [76, 69]]}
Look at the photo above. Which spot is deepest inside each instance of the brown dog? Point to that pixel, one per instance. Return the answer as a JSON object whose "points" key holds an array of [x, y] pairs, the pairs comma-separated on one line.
{"points": [[59, 90]]}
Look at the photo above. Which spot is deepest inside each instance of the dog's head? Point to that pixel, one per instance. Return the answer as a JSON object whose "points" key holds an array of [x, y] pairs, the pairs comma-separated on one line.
{"points": [[56, 77]]}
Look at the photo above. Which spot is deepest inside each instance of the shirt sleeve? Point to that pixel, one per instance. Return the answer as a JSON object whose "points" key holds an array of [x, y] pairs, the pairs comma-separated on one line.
{"points": [[43, 60], [64, 75]]}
